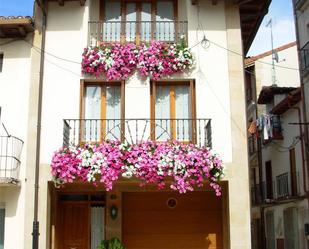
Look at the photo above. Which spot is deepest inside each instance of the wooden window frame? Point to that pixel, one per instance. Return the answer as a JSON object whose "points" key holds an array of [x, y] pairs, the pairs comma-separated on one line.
{"points": [[102, 84], [293, 172], [138, 16], [153, 90]]}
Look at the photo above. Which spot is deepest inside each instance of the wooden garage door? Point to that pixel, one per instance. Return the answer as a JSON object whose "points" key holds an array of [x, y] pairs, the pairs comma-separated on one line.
{"points": [[149, 223]]}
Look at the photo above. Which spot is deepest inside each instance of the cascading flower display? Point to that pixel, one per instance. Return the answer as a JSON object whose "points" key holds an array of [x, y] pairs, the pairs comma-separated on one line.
{"points": [[114, 61], [185, 165], [118, 61]]}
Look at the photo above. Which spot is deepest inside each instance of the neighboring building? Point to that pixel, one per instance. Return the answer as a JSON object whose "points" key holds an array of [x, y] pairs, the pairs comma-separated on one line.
{"points": [[16, 37], [276, 150], [205, 105]]}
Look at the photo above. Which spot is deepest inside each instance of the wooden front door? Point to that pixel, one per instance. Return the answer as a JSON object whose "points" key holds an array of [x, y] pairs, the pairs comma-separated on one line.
{"points": [[73, 226], [167, 220]]}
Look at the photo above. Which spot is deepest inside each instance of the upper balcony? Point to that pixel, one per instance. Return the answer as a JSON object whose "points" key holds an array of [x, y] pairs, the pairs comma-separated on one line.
{"points": [[133, 131], [10, 150], [136, 31]]}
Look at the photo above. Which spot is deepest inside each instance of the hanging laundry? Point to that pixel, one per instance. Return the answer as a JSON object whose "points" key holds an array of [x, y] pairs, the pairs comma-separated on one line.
{"points": [[252, 128]]}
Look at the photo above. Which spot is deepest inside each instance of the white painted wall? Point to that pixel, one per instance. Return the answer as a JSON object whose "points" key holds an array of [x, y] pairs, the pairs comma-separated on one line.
{"points": [[14, 100], [66, 37], [277, 151], [285, 77]]}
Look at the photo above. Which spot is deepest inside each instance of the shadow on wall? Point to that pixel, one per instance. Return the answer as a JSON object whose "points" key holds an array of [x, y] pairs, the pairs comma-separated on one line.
{"points": [[16, 48], [215, 16], [69, 17], [11, 196]]}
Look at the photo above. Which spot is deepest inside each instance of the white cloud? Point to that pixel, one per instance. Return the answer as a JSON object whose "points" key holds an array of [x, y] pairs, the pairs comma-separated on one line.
{"points": [[283, 32]]}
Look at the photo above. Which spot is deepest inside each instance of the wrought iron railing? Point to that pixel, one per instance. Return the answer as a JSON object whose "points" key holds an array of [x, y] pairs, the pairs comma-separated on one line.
{"points": [[136, 31], [287, 185], [198, 131], [304, 57], [258, 194], [251, 145], [10, 151]]}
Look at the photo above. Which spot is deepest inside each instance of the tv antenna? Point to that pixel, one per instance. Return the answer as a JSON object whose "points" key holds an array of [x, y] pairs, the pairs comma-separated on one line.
{"points": [[275, 56]]}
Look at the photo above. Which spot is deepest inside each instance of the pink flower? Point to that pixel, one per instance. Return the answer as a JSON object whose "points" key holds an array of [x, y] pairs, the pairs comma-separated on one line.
{"points": [[151, 162]]}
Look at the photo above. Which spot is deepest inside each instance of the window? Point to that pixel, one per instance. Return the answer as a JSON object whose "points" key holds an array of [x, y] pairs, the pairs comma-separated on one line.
{"points": [[102, 111], [1, 62], [2, 219], [270, 230], [173, 109], [291, 239], [137, 20]]}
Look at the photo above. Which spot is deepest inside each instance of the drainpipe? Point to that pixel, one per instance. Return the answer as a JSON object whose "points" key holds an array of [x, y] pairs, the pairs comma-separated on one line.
{"points": [[35, 227]]}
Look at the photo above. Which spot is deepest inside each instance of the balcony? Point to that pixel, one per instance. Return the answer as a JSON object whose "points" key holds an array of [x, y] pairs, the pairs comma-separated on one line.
{"points": [[287, 185], [252, 147], [304, 57], [10, 150], [132, 131], [136, 31], [258, 194]]}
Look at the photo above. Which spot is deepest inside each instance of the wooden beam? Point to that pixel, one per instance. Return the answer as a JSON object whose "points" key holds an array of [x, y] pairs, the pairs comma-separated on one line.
{"points": [[22, 30], [1, 33], [61, 2], [240, 2], [82, 2]]}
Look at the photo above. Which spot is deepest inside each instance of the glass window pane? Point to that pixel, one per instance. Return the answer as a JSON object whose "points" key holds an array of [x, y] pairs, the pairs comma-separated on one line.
{"points": [[146, 22], [92, 113], [131, 21], [165, 28], [113, 112], [112, 25], [183, 112], [162, 113], [97, 226]]}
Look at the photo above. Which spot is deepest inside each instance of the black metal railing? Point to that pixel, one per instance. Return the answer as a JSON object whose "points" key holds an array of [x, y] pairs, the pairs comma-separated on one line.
{"points": [[251, 145], [10, 151], [258, 194], [136, 31], [287, 185], [198, 131], [304, 57]]}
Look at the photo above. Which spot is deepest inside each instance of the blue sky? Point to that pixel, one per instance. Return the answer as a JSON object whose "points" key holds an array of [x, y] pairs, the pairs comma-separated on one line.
{"points": [[16, 7], [280, 11]]}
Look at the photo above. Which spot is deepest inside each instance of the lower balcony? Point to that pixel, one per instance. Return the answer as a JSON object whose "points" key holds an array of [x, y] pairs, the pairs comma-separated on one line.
{"points": [[10, 150], [132, 131]]}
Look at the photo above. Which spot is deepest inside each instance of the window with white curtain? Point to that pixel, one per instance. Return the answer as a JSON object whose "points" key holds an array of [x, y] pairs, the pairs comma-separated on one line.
{"points": [[173, 112], [102, 112], [97, 225], [137, 17]]}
